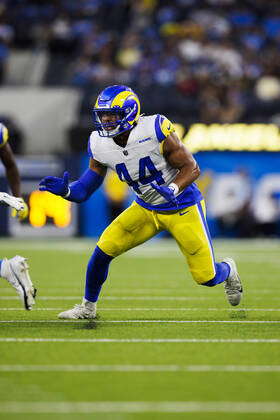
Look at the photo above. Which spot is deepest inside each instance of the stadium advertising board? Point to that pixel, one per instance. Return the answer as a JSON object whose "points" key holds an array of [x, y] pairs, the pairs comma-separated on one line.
{"points": [[49, 215]]}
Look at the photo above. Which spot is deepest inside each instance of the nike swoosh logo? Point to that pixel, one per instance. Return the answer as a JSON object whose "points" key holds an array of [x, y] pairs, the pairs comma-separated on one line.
{"points": [[181, 214], [168, 128]]}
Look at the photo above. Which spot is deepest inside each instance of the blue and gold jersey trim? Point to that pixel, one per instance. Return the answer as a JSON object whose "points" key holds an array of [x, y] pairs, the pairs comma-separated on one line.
{"points": [[163, 127], [4, 135]]}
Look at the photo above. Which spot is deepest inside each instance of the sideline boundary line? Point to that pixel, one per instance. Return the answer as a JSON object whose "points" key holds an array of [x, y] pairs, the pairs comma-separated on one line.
{"points": [[139, 368], [138, 340], [140, 407]]}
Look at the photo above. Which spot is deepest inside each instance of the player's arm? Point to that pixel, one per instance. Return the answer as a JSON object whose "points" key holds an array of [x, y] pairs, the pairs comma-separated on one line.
{"points": [[89, 182], [80, 190], [11, 169], [7, 157], [96, 166], [178, 156]]}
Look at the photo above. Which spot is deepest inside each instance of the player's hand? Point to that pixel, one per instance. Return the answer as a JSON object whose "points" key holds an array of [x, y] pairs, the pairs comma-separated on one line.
{"points": [[22, 212], [57, 186], [167, 193]]}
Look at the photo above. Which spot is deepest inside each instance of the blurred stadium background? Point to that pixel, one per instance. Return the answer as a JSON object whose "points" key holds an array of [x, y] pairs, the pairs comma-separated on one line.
{"points": [[211, 66]]}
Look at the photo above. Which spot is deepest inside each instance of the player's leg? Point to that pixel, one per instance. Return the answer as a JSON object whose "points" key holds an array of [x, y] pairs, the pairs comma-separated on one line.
{"points": [[191, 232], [15, 271], [131, 228]]}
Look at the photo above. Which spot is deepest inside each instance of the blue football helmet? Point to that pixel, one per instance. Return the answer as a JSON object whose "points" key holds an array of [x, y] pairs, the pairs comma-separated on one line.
{"points": [[123, 103]]}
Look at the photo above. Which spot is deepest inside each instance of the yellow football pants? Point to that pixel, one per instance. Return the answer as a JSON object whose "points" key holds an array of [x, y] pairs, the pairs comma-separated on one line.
{"points": [[136, 225]]}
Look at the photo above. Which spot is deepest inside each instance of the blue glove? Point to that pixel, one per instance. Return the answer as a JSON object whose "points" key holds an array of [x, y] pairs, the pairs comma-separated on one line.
{"points": [[276, 195], [167, 193], [58, 186]]}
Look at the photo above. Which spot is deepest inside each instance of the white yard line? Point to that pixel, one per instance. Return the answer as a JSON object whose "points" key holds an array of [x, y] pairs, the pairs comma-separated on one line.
{"points": [[118, 298], [155, 309], [140, 407], [139, 321], [33, 309], [138, 340], [173, 298], [119, 292], [139, 368]]}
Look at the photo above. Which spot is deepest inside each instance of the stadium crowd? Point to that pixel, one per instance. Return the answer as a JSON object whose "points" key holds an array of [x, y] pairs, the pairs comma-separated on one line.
{"points": [[209, 61], [213, 59]]}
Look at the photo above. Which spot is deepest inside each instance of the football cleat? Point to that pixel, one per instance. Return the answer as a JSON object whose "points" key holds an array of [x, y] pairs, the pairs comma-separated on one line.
{"points": [[86, 310], [15, 271], [233, 286]]}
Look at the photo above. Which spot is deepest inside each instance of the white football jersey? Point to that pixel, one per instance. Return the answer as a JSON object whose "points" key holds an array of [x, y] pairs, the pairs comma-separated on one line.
{"points": [[141, 161]]}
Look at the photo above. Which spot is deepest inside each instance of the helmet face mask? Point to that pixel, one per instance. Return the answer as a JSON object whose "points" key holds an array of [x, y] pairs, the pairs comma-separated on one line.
{"points": [[116, 111], [108, 121]]}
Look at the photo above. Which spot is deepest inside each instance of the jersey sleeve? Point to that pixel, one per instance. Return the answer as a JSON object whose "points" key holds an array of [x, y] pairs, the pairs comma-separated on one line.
{"points": [[163, 127], [89, 149], [4, 135], [93, 149], [91, 145]]}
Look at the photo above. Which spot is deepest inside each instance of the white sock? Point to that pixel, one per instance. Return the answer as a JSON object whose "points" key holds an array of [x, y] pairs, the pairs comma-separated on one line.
{"points": [[88, 304]]}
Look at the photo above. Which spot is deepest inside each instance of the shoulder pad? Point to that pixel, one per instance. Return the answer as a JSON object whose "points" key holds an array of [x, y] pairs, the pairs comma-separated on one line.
{"points": [[4, 134], [163, 127]]}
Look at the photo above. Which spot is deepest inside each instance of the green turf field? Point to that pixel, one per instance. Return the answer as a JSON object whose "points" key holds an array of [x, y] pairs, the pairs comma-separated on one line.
{"points": [[161, 347]]}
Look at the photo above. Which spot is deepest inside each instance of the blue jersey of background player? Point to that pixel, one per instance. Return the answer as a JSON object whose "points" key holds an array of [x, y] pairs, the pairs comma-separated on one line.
{"points": [[15, 270], [146, 154]]}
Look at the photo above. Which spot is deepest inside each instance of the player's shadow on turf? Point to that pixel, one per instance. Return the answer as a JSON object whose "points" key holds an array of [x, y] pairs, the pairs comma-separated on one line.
{"points": [[240, 314], [90, 324]]}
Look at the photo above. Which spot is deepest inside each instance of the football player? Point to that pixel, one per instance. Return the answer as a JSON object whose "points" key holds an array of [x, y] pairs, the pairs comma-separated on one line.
{"points": [[15, 270], [146, 153]]}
